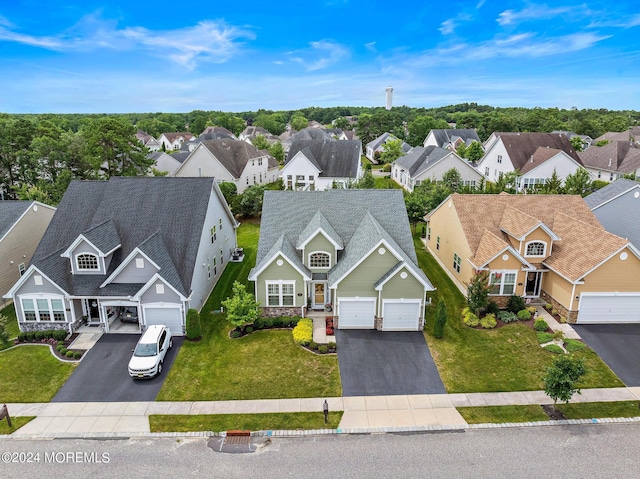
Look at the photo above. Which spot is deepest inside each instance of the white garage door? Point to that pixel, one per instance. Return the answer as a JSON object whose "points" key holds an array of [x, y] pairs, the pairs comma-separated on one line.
{"points": [[609, 308], [169, 317], [400, 315], [356, 313]]}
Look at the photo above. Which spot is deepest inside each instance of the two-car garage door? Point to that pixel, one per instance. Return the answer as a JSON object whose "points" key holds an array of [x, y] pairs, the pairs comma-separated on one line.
{"points": [[169, 317], [599, 308], [398, 315]]}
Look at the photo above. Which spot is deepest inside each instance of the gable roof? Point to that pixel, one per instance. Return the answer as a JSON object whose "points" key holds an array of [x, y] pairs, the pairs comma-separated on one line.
{"points": [[618, 156], [580, 238], [609, 192], [420, 159], [286, 215], [541, 155], [173, 136], [334, 159], [319, 222], [522, 146], [385, 138], [451, 135], [235, 154], [137, 208], [10, 212]]}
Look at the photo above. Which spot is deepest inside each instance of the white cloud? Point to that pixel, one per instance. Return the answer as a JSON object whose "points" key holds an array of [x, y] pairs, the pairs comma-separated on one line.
{"points": [[323, 53], [512, 17], [448, 26], [371, 46]]}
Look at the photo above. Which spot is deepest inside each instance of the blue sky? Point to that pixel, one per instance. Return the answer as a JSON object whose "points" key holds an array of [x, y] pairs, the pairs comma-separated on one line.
{"points": [[87, 56]]}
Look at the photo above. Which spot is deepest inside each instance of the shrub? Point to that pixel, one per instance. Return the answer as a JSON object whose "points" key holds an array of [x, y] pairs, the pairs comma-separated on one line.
{"points": [[279, 322], [524, 315], [554, 312], [386, 168], [313, 346], [59, 347], [242, 308], [22, 337], [332, 346], [488, 322], [268, 323], [515, 304], [507, 316], [59, 334], [559, 335], [544, 337], [60, 343], [532, 310], [547, 306], [323, 349], [492, 307], [441, 319], [248, 330], [469, 318], [540, 325], [69, 354], [39, 335], [293, 321], [563, 319], [31, 335], [303, 332], [235, 334], [77, 355], [63, 351], [259, 323], [573, 345], [193, 326], [553, 348]]}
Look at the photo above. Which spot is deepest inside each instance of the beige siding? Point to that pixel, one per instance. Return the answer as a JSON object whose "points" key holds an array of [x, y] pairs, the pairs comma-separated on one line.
{"points": [[398, 288], [558, 287], [286, 272], [20, 243], [537, 235], [360, 282], [511, 264], [319, 243], [614, 275]]}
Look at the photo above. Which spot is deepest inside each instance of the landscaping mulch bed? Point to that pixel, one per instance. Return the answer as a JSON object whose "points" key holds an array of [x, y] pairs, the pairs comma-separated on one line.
{"points": [[54, 344], [553, 413]]}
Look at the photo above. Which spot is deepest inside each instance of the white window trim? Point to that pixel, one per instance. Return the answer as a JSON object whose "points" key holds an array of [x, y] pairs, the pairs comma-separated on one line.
{"points": [[35, 299], [502, 274], [318, 252], [279, 283], [97, 268], [457, 263], [544, 251]]}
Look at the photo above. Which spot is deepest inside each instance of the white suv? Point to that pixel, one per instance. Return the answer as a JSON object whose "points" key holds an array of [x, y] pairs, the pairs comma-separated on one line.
{"points": [[150, 351]]}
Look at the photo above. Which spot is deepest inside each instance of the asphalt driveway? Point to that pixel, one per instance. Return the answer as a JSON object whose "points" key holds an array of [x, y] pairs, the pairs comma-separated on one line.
{"points": [[617, 345], [381, 363], [102, 374]]}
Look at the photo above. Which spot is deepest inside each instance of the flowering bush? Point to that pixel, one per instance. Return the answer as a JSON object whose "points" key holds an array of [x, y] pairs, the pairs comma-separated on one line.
{"points": [[469, 318], [303, 332], [488, 322]]}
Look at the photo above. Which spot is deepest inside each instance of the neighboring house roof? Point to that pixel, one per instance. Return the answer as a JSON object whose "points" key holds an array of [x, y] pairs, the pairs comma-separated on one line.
{"points": [[581, 243], [350, 134], [522, 146], [319, 134], [614, 136], [164, 162], [173, 136], [287, 217], [451, 135], [420, 159], [251, 132], [235, 154], [617, 155], [161, 216], [385, 138], [334, 159], [10, 212], [610, 192], [180, 155], [145, 138], [216, 131]]}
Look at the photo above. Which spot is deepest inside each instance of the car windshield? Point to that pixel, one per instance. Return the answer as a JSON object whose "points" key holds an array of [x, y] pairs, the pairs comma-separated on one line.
{"points": [[145, 350]]}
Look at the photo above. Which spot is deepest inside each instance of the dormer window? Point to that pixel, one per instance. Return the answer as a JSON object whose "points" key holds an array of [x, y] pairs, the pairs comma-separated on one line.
{"points": [[87, 262], [319, 260], [536, 248]]}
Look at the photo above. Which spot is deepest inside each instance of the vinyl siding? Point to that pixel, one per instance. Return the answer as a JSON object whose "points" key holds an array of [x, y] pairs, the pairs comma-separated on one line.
{"points": [[319, 243], [132, 274], [512, 264], [408, 288], [558, 287], [614, 275], [536, 235], [47, 289], [84, 247], [150, 295], [360, 282], [286, 272]]}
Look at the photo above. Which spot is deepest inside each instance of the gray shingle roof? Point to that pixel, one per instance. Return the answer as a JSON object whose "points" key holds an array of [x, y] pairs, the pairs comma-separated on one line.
{"points": [[335, 159], [609, 192], [171, 208], [10, 212], [287, 214], [384, 138], [103, 236], [444, 137], [319, 221], [420, 159]]}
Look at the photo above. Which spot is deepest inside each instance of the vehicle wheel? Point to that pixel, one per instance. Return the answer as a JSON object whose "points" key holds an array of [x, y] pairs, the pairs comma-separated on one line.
{"points": [[170, 343], [159, 368]]}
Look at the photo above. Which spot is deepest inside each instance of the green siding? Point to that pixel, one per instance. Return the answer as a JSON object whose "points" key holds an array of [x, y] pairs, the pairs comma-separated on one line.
{"points": [[286, 272], [408, 288], [360, 282], [319, 243]]}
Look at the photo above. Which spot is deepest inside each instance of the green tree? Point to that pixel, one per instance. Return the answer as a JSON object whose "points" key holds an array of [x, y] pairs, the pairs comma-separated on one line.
{"points": [[234, 124], [229, 191], [299, 122], [342, 123], [417, 205], [576, 143], [420, 127], [452, 180], [194, 326], [474, 152], [578, 183], [441, 319], [260, 142], [250, 203], [561, 377], [16, 162], [391, 151], [277, 151], [367, 181], [241, 308], [478, 289], [552, 185], [274, 123]]}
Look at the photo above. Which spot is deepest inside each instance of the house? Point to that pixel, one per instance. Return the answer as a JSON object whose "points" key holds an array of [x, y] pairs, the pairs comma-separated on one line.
{"points": [[135, 249], [210, 133], [230, 160], [377, 145], [322, 248], [22, 224], [585, 139], [451, 139], [508, 152], [543, 164], [632, 135], [148, 141], [173, 141], [431, 162], [164, 163], [617, 207], [251, 132], [546, 248], [320, 165], [612, 161]]}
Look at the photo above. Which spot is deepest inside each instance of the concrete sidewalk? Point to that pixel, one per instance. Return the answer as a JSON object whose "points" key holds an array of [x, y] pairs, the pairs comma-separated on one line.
{"points": [[81, 419]]}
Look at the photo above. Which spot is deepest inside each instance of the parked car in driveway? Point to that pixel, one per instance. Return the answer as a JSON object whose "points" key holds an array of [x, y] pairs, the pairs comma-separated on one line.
{"points": [[150, 352]]}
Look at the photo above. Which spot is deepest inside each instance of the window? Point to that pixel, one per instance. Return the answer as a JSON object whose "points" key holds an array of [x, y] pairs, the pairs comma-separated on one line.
{"points": [[221, 257], [502, 283], [87, 261], [599, 174], [456, 262], [212, 232], [220, 224], [159, 288], [43, 309], [57, 307], [37, 280], [499, 158], [247, 180], [254, 179], [29, 310], [531, 182], [259, 161], [536, 248], [319, 260], [438, 243], [139, 263], [486, 171], [289, 182], [280, 294], [215, 268], [21, 268], [611, 177], [209, 271], [428, 233]]}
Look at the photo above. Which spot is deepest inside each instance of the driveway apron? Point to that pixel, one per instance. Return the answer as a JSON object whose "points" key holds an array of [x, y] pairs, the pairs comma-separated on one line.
{"points": [[102, 375], [617, 345], [381, 363]]}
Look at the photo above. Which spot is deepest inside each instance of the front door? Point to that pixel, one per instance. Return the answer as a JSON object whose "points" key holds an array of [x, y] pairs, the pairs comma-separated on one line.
{"points": [[532, 288], [318, 295]]}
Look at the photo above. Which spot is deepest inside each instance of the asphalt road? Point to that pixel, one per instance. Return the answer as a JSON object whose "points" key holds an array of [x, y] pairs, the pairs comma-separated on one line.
{"points": [[380, 363], [102, 374], [582, 451], [617, 345]]}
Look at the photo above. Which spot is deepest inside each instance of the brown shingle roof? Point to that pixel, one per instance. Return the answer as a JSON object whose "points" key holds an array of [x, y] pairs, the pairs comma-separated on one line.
{"points": [[234, 154], [517, 223], [541, 155], [522, 146], [614, 156], [488, 247], [174, 136]]}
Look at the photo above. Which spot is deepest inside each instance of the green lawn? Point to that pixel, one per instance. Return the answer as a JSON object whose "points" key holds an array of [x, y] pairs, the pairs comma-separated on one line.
{"points": [[16, 422], [498, 414], [504, 359], [600, 409], [31, 374], [265, 364], [386, 183], [10, 324], [250, 422]]}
